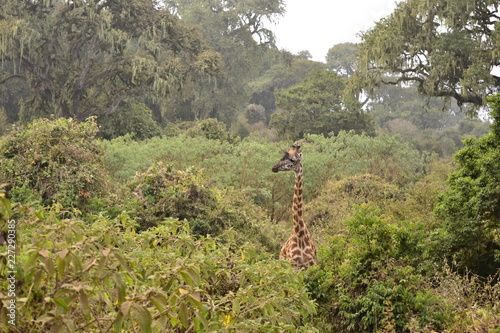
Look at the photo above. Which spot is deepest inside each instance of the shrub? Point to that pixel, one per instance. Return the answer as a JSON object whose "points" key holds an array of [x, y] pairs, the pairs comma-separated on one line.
{"points": [[132, 118], [212, 129], [348, 154], [164, 192], [364, 284], [76, 277], [337, 201], [54, 160], [471, 205]]}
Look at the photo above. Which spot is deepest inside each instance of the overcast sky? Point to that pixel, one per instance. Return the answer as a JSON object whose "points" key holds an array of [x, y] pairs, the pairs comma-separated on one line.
{"points": [[317, 25]]}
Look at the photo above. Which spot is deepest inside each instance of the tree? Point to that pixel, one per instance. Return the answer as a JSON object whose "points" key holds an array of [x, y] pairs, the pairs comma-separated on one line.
{"points": [[447, 47], [471, 206], [237, 31], [282, 72], [341, 58], [315, 106], [85, 58]]}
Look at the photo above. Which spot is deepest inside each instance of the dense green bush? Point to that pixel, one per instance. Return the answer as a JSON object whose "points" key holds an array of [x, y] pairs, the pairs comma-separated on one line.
{"points": [[54, 160], [337, 201], [246, 165], [163, 192], [132, 118], [471, 206], [349, 154], [104, 277], [363, 282], [187, 244]]}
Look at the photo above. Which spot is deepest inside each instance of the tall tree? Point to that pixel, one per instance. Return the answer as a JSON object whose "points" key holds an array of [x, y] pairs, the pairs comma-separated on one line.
{"points": [[283, 71], [85, 58], [315, 106], [236, 29], [342, 58], [447, 47]]}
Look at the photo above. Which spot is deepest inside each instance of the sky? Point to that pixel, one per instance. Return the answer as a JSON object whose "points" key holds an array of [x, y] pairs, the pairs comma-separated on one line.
{"points": [[317, 25]]}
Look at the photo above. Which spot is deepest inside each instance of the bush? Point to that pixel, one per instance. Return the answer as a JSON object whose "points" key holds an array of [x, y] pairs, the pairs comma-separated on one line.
{"points": [[55, 160], [338, 199], [212, 129], [132, 118], [348, 154], [76, 277], [363, 282], [164, 192], [471, 205]]}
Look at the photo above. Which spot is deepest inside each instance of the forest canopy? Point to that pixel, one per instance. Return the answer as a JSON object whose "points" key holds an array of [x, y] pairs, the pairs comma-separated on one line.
{"points": [[448, 48]]}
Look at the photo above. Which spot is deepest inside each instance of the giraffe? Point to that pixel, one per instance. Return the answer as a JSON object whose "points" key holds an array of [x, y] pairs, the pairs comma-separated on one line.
{"points": [[299, 249]]}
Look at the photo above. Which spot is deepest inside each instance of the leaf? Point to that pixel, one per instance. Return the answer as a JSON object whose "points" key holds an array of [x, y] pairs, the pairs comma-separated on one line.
{"points": [[49, 266], [61, 266], [63, 253], [45, 318], [101, 266], [183, 314], [159, 302], [61, 302], [5, 208], [84, 303], [186, 277], [236, 306], [106, 252], [203, 321], [122, 262], [144, 318], [118, 322], [120, 287], [125, 308]]}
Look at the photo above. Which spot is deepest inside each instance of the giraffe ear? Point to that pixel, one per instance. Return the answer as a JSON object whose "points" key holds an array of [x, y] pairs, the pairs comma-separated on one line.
{"points": [[296, 144]]}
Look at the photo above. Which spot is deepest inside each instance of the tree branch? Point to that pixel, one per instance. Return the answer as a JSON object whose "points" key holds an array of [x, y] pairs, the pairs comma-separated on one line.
{"points": [[12, 76]]}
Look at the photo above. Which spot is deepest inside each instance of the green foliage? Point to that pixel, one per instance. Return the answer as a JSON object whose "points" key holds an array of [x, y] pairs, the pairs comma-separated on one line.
{"points": [[341, 59], [190, 243], [280, 74], [131, 118], [364, 282], [446, 48], [246, 165], [86, 57], [163, 192], [315, 106], [54, 160], [212, 129], [471, 206], [337, 202], [73, 276], [237, 31], [13, 88], [431, 125], [348, 154]]}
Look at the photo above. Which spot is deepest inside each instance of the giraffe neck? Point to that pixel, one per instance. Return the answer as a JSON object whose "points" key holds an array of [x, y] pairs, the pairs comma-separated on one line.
{"points": [[298, 219]]}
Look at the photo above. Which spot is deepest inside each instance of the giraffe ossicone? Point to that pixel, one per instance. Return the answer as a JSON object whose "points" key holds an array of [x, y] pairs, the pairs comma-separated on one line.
{"points": [[299, 249]]}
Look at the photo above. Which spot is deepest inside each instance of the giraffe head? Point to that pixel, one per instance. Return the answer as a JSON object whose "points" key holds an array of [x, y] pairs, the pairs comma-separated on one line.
{"points": [[291, 161]]}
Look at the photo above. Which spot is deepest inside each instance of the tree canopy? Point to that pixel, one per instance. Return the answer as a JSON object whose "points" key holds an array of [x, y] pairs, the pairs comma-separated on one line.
{"points": [[315, 106], [85, 58], [447, 47], [341, 58]]}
